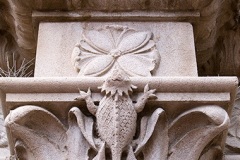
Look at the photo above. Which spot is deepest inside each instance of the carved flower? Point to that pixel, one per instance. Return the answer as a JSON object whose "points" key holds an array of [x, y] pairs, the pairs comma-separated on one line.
{"points": [[115, 46]]}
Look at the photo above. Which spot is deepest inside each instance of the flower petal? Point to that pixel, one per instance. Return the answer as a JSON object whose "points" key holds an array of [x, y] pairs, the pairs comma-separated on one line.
{"points": [[85, 46], [136, 65], [98, 66], [152, 56], [75, 54], [134, 41], [145, 48], [99, 41], [84, 59]]}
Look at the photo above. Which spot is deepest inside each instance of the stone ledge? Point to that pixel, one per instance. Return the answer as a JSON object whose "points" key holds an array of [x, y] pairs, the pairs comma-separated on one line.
{"points": [[162, 97], [162, 84], [4, 153]]}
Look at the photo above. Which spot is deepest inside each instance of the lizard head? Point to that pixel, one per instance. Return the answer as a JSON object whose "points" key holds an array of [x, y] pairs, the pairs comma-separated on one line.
{"points": [[118, 83]]}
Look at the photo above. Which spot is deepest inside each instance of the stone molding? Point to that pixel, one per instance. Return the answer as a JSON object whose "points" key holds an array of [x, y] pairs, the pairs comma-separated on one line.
{"points": [[211, 98], [216, 28]]}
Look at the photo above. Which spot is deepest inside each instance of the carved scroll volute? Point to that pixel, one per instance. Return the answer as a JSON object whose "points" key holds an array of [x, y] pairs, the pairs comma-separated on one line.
{"points": [[41, 135], [193, 132], [192, 135], [100, 51], [36, 138]]}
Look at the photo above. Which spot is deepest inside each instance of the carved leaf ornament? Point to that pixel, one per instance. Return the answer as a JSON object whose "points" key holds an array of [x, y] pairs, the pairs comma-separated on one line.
{"points": [[117, 131], [37, 138], [233, 139], [101, 50]]}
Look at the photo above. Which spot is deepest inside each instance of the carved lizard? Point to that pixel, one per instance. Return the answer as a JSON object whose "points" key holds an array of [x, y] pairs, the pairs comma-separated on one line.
{"points": [[116, 114]]}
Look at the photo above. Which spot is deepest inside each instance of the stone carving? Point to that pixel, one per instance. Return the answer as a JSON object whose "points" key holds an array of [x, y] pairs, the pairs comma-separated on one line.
{"points": [[115, 46], [155, 134], [116, 114], [233, 139], [217, 40], [4, 150], [116, 131], [16, 27], [12, 64], [3, 136], [216, 32]]}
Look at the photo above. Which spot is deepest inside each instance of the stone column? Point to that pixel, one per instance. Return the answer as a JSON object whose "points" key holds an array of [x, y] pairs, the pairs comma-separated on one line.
{"points": [[115, 80]]}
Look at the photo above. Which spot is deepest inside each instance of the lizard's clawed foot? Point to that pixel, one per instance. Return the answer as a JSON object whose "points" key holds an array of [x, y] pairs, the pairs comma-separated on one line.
{"points": [[149, 93], [84, 95]]}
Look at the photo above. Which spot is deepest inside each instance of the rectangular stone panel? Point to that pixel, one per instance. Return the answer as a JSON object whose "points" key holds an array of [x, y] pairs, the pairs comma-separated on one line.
{"points": [[174, 43]]}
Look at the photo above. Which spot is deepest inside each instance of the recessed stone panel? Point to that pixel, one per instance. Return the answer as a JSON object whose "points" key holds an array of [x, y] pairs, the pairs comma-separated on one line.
{"points": [[173, 42]]}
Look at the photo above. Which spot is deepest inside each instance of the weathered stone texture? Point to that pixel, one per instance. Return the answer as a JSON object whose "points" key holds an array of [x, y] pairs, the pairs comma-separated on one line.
{"points": [[117, 47]]}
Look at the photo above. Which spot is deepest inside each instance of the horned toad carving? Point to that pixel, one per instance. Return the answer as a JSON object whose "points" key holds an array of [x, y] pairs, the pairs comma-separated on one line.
{"points": [[116, 114]]}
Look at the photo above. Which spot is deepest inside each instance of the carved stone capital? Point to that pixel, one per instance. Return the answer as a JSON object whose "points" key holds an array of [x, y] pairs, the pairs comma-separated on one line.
{"points": [[166, 122], [121, 102]]}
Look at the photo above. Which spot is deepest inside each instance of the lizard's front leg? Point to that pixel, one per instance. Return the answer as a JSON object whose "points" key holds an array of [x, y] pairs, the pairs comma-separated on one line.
{"points": [[141, 101], [89, 101]]}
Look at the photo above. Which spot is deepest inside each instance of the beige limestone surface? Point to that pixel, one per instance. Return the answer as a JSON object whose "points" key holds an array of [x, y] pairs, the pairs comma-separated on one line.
{"points": [[31, 103], [4, 150], [4, 153], [115, 114], [174, 42], [197, 110]]}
